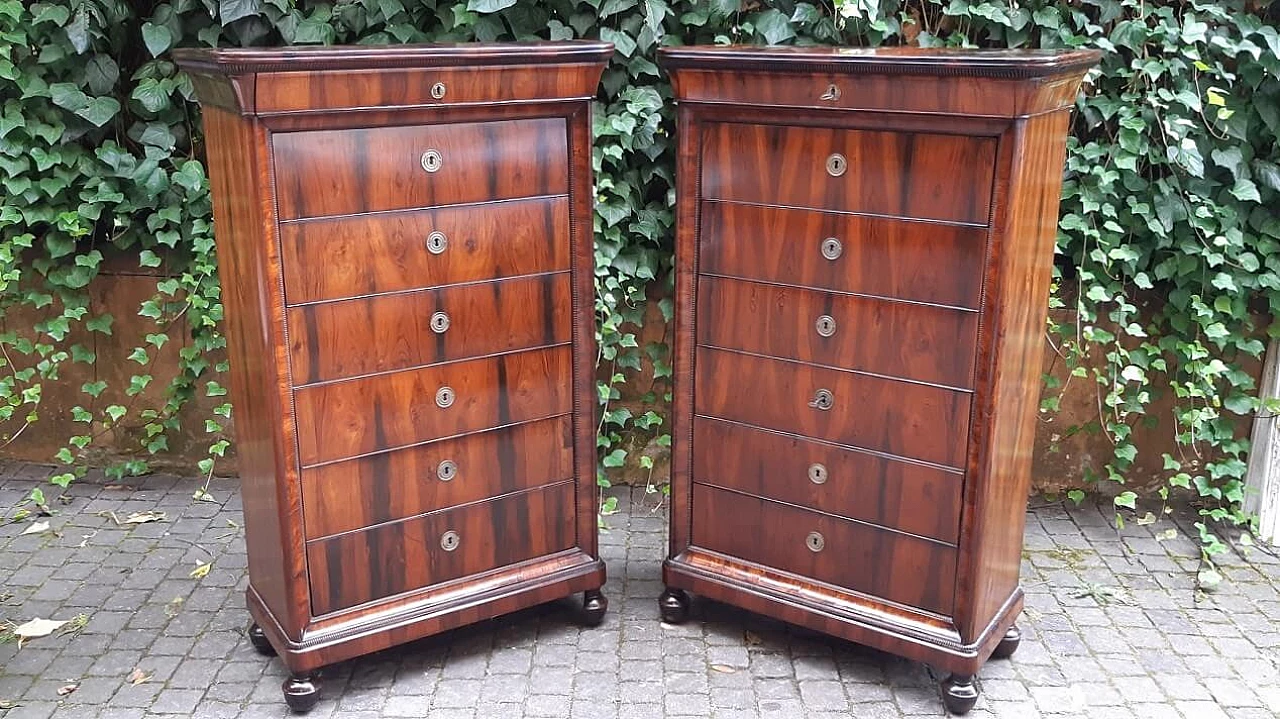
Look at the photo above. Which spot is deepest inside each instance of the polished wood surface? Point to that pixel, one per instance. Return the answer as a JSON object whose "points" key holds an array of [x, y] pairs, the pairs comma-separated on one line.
{"points": [[900, 418], [918, 342], [358, 567], [921, 261], [898, 567], [394, 484], [928, 245], [909, 496], [348, 338], [339, 237], [321, 173], [898, 174], [325, 259]]}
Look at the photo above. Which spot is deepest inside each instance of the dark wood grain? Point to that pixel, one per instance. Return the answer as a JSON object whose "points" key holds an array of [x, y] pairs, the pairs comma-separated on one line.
{"points": [[916, 175], [321, 173], [327, 259], [919, 342], [897, 567], [921, 261], [899, 418], [908, 496], [389, 559], [347, 338], [395, 484]]}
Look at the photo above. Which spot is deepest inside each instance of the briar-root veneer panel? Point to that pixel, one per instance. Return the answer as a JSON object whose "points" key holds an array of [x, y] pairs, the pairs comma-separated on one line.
{"points": [[918, 342], [328, 258], [900, 568], [900, 174], [356, 493], [358, 567], [321, 173], [908, 259], [900, 418], [355, 417], [908, 496], [347, 338]]}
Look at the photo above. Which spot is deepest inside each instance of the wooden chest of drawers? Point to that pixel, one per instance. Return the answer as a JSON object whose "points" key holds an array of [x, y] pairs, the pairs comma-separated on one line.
{"points": [[864, 246], [405, 247]]}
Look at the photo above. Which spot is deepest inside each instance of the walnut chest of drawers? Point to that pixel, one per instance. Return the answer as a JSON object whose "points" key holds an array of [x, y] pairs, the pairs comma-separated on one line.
{"points": [[864, 248], [405, 247]]}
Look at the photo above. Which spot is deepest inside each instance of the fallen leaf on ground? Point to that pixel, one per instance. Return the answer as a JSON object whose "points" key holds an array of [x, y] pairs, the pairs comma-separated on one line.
{"points": [[137, 676], [1146, 519], [6, 704], [66, 689], [723, 668], [201, 570], [36, 528], [174, 606], [144, 517], [36, 628], [1167, 535], [202, 495], [751, 638]]}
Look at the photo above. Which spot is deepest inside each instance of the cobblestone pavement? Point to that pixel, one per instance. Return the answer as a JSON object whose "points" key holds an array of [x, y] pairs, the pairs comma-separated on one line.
{"points": [[1113, 628]]}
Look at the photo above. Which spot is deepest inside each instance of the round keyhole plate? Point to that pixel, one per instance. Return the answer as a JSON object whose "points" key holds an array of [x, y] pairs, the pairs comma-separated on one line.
{"points": [[836, 164], [832, 248], [450, 540], [826, 325], [818, 473], [440, 322], [815, 542], [822, 399], [444, 397], [437, 242], [447, 470], [438, 90], [431, 160]]}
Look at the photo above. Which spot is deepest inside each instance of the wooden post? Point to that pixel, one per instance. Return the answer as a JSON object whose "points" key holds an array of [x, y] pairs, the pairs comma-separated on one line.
{"points": [[1262, 491]]}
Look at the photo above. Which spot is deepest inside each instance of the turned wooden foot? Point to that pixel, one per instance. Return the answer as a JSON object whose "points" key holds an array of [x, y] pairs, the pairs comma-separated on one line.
{"points": [[594, 605], [673, 605], [301, 692], [258, 639], [959, 693], [1009, 644]]}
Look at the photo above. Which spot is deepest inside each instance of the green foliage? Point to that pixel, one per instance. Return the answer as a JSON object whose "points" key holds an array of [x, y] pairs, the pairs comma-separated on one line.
{"points": [[1168, 251]]}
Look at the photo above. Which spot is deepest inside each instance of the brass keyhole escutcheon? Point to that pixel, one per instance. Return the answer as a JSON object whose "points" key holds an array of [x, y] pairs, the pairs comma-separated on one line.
{"points": [[444, 397], [440, 322], [836, 164], [815, 542], [826, 325], [446, 470], [438, 90], [450, 540], [822, 399], [437, 242], [818, 473], [832, 94], [832, 248], [431, 160]]}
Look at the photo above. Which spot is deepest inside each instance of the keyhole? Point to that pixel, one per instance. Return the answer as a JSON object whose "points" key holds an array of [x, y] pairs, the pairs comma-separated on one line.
{"points": [[444, 397], [431, 160], [439, 322], [447, 470], [815, 542], [437, 90], [822, 399], [818, 473], [832, 93], [826, 325], [450, 540], [836, 164], [437, 242], [832, 249]]}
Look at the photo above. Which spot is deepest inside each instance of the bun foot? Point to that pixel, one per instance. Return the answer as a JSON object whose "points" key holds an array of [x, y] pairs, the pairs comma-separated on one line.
{"points": [[258, 639], [1009, 644], [959, 693], [594, 605], [301, 692], [673, 605]]}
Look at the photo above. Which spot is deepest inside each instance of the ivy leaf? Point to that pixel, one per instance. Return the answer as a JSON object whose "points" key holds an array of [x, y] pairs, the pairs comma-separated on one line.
{"points": [[1245, 191], [101, 74], [231, 10], [1268, 173], [78, 31], [157, 38], [100, 110], [1126, 499], [773, 26], [489, 6], [67, 96]]}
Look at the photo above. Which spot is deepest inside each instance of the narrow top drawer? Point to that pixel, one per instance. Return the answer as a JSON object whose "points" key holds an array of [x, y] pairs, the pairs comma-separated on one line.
{"points": [[322, 173], [899, 174]]}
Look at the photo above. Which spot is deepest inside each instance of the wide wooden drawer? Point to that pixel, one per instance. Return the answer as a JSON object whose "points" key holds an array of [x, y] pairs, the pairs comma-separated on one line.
{"points": [[889, 257], [900, 568], [915, 498], [901, 418], [340, 257], [338, 420], [347, 338], [339, 172], [901, 174], [899, 339], [358, 567], [356, 493]]}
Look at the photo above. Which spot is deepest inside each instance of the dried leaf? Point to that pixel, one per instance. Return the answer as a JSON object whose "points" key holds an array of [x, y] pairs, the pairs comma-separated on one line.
{"points": [[174, 606], [7, 704], [137, 676], [202, 495], [751, 638], [66, 689], [1146, 519], [144, 517], [723, 669], [36, 528], [35, 629], [1167, 535], [201, 570]]}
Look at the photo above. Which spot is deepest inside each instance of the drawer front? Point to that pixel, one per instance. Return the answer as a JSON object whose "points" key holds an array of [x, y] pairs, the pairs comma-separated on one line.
{"points": [[341, 172], [914, 498], [901, 174], [900, 418], [348, 338], [346, 419], [331, 258], [898, 339], [358, 567], [900, 568], [345, 496], [905, 259]]}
